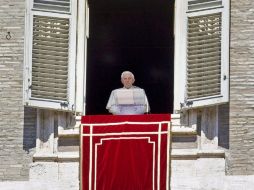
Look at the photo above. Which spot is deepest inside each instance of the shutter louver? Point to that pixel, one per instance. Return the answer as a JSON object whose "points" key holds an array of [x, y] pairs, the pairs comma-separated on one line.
{"points": [[50, 58], [194, 5], [204, 56], [52, 5]]}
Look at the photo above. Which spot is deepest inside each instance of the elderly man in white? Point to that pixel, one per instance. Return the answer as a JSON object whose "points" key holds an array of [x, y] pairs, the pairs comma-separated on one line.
{"points": [[128, 100]]}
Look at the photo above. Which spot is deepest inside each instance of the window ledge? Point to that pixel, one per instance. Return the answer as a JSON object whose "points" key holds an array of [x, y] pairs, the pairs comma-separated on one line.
{"points": [[194, 153], [68, 132], [184, 130], [57, 157]]}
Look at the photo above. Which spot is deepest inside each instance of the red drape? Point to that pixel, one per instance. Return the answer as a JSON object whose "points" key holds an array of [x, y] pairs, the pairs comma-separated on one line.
{"points": [[125, 152]]}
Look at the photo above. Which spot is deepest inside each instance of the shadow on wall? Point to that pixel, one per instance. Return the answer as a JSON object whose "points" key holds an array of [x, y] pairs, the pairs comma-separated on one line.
{"points": [[209, 115], [29, 131], [224, 126]]}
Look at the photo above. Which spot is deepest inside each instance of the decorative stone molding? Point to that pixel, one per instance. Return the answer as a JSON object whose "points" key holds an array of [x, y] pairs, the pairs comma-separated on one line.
{"points": [[184, 124]]}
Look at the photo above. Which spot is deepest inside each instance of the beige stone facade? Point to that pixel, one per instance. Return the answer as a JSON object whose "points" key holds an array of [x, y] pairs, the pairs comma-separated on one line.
{"points": [[212, 148]]}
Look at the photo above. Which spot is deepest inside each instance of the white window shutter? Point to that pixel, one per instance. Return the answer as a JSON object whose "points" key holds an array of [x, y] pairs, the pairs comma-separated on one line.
{"points": [[51, 55], [205, 64]]}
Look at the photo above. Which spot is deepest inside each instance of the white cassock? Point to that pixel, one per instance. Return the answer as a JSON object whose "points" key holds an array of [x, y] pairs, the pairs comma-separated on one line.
{"points": [[130, 101]]}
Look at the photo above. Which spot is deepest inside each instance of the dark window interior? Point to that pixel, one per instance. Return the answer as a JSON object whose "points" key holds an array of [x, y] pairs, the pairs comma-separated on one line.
{"points": [[134, 35]]}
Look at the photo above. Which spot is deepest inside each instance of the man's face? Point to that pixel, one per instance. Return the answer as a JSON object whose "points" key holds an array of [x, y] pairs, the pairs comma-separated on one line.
{"points": [[127, 81]]}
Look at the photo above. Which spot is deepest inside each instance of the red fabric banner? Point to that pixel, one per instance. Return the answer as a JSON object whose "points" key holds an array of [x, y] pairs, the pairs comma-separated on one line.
{"points": [[125, 152]]}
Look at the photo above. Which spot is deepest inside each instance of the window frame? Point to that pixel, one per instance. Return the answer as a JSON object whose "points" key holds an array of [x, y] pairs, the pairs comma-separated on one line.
{"points": [[83, 27]]}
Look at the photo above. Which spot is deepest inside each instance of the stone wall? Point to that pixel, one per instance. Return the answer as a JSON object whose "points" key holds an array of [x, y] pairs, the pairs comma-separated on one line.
{"points": [[14, 159], [240, 160]]}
